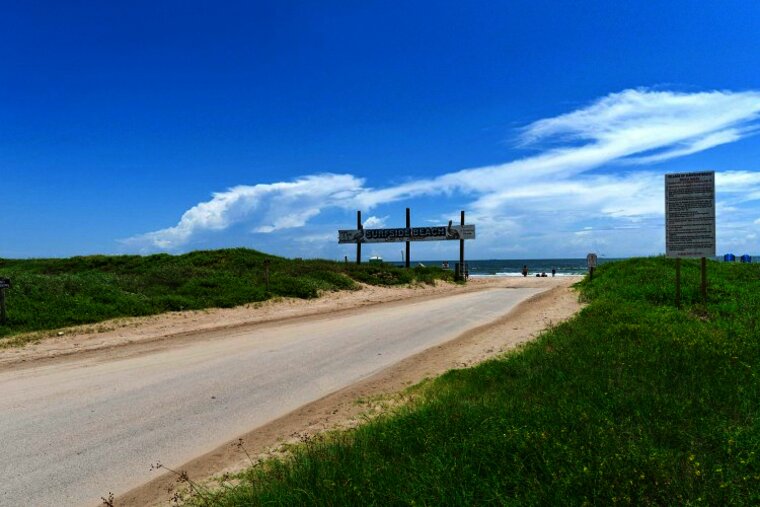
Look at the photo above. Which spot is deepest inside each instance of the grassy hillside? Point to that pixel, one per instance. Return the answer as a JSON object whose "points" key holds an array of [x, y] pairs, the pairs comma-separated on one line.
{"points": [[53, 293], [632, 402]]}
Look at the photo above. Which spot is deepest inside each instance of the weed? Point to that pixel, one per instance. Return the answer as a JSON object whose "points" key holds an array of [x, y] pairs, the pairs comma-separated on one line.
{"points": [[200, 494]]}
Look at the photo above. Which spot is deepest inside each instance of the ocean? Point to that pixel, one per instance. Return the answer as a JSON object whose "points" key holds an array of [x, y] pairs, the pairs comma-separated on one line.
{"points": [[513, 267]]}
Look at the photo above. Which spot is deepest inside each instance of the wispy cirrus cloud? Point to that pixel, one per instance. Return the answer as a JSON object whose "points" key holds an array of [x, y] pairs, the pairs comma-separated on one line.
{"points": [[584, 171]]}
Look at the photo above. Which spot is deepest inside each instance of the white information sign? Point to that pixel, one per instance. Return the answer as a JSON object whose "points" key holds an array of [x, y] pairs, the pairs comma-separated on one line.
{"points": [[690, 214]]}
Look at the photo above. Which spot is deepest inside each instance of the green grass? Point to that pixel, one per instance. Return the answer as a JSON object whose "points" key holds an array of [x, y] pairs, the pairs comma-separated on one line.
{"points": [[632, 402], [53, 293]]}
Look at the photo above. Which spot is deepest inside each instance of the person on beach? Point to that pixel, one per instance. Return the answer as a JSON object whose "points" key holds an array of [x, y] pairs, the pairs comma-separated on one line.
{"points": [[525, 270], [554, 272]]}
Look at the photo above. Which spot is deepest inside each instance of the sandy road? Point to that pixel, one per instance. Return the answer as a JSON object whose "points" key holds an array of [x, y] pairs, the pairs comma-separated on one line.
{"points": [[73, 430]]}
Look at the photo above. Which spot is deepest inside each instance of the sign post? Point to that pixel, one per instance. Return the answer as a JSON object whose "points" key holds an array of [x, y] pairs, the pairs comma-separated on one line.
{"points": [[5, 283], [462, 270], [408, 226], [359, 227], [690, 221], [703, 285], [591, 261], [678, 282]]}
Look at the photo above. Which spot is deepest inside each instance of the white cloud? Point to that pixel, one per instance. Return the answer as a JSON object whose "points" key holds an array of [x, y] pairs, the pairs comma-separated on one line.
{"points": [[316, 238], [556, 191], [376, 222], [275, 206]]}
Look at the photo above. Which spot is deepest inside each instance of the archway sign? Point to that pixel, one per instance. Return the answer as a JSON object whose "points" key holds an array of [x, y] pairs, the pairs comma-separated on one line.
{"points": [[408, 234]]}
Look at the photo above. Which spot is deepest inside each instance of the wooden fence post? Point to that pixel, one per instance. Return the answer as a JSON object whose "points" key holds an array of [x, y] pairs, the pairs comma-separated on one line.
{"points": [[704, 281], [5, 283], [678, 282]]}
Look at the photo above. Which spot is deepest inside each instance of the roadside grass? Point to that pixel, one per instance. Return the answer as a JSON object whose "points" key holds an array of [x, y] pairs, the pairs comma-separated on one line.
{"points": [[54, 293], [631, 402]]}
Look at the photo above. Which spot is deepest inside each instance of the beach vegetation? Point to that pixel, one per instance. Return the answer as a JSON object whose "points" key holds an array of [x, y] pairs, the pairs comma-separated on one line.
{"points": [[54, 293], [632, 402]]}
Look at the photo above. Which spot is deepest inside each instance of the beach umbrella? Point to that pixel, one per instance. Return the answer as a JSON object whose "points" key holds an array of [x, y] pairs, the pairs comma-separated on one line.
{"points": [[746, 258], [729, 257]]}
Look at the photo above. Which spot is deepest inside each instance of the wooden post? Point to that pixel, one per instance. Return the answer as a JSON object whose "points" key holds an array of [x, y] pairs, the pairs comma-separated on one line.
{"points": [[462, 270], [704, 281], [678, 282], [408, 226], [358, 242], [5, 283], [591, 274], [3, 314]]}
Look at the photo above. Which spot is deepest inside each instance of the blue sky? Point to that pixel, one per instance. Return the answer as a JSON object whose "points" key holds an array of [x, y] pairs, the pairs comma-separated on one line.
{"points": [[140, 127]]}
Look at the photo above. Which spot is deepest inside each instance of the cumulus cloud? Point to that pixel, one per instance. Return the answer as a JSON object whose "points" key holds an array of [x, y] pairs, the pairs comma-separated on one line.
{"points": [[376, 222], [584, 171], [275, 206]]}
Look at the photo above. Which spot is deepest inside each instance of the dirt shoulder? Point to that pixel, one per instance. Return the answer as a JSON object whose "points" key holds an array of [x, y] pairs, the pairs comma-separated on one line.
{"points": [[341, 409], [138, 335]]}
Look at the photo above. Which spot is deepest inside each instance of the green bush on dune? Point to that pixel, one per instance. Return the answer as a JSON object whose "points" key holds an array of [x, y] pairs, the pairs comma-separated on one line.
{"points": [[53, 293], [632, 402]]}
